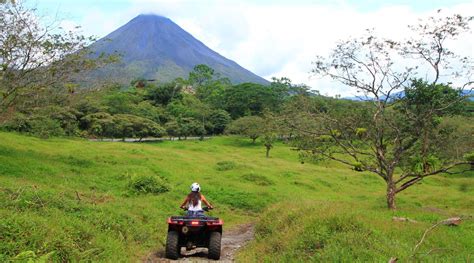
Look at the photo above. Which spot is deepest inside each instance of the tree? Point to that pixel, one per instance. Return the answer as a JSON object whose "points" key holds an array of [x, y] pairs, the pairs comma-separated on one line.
{"points": [[201, 75], [120, 102], [395, 127], [284, 88], [146, 128], [423, 106], [219, 120], [172, 129], [146, 110], [454, 137], [36, 58], [269, 132], [100, 124], [250, 126], [188, 126], [132, 126], [251, 99], [164, 93]]}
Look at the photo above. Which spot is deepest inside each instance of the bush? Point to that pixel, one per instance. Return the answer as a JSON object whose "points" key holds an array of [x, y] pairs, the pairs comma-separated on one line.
{"points": [[250, 126], [225, 165], [357, 166], [469, 157], [45, 127], [45, 122], [144, 184], [19, 123]]}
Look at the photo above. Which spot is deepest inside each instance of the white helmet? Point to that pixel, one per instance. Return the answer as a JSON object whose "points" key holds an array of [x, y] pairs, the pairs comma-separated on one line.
{"points": [[195, 187]]}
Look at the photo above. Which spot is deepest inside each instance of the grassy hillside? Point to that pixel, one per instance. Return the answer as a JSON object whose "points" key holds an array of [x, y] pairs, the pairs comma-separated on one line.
{"points": [[328, 231], [82, 200]]}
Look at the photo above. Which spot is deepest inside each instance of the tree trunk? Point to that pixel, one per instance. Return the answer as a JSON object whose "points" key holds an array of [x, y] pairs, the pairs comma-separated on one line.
{"points": [[268, 152], [424, 153], [391, 191]]}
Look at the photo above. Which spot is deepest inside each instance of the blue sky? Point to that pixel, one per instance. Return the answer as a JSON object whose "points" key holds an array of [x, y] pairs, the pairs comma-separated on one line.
{"points": [[269, 37]]}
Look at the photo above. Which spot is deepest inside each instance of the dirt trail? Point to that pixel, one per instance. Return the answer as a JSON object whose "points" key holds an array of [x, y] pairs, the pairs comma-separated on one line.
{"points": [[232, 240]]}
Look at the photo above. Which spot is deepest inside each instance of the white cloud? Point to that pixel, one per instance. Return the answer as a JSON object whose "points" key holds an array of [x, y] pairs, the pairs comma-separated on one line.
{"points": [[274, 40]]}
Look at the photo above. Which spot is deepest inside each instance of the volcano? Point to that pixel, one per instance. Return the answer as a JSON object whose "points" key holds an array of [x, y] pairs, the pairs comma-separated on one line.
{"points": [[154, 47]]}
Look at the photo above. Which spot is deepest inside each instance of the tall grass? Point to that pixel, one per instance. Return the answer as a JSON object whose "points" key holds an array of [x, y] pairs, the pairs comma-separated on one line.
{"points": [[328, 231]]}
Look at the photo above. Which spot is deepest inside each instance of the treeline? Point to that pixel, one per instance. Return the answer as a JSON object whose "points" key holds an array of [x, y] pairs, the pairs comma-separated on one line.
{"points": [[203, 104]]}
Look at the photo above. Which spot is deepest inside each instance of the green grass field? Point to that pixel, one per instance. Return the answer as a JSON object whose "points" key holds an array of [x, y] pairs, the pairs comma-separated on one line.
{"points": [[75, 200]]}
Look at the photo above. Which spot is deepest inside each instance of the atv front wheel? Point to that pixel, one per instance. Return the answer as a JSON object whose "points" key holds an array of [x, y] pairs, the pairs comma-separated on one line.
{"points": [[214, 250], [172, 248]]}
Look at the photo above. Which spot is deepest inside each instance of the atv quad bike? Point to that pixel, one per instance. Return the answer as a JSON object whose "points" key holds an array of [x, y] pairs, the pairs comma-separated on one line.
{"points": [[192, 232]]}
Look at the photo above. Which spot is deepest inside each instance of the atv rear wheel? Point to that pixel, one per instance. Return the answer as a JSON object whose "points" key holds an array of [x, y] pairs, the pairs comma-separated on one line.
{"points": [[172, 248], [214, 250]]}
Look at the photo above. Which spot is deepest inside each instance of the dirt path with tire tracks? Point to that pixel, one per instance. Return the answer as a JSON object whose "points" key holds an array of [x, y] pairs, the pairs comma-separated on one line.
{"points": [[232, 240]]}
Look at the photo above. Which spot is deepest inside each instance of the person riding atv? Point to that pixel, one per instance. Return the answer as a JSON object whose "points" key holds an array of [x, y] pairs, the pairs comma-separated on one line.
{"points": [[192, 202], [195, 229]]}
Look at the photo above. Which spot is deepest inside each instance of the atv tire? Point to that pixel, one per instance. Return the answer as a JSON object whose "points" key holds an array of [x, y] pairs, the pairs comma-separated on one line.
{"points": [[172, 247], [214, 250]]}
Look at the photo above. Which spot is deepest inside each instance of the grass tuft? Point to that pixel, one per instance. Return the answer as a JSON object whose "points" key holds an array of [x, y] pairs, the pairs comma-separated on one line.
{"points": [[225, 165], [257, 179], [147, 184]]}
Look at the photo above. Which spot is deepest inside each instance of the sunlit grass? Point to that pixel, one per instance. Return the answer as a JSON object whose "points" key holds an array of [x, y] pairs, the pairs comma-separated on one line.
{"points": [[73, 197]]}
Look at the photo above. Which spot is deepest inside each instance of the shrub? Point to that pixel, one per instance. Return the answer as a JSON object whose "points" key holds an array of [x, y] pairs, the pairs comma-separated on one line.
{"points": [[144, 184], [36, 125], [357, 166], [44, 127], [470, 158]]}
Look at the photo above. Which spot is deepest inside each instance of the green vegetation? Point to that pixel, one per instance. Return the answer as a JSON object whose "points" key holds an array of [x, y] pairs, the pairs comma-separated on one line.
{"points": [[340, 231], [334, 165], [103, 201], [402, 114]]}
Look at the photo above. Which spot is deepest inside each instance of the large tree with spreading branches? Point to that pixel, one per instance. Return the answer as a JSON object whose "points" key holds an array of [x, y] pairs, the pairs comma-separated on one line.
{"points": [[38, 56], [390, 131]]}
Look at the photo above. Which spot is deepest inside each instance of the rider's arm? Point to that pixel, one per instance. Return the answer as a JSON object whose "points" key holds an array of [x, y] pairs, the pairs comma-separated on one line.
{"points": [[205, 201], [186, 200]]}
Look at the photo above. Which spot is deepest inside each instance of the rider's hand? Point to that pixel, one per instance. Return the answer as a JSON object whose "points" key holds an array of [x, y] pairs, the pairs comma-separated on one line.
{"points": [[182, 207]]}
